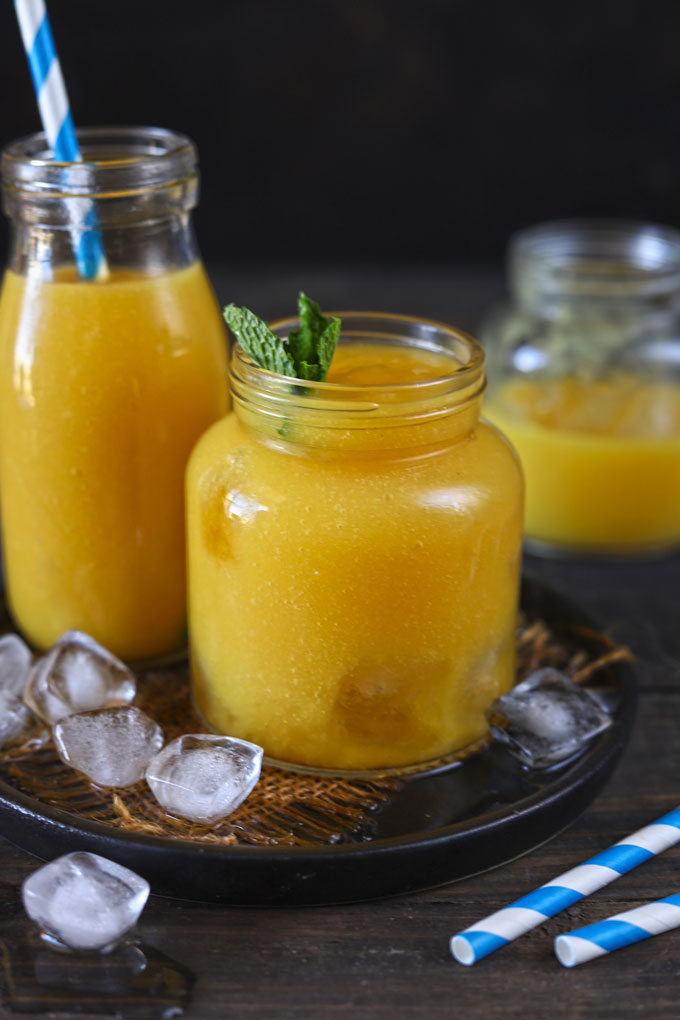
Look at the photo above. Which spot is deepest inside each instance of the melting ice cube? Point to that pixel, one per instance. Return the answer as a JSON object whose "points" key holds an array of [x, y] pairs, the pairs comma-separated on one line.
{"points": [[204, 777], [77, 675], [112, 746], [15, 663], [14, 718], [84, 901], [546, 718]]}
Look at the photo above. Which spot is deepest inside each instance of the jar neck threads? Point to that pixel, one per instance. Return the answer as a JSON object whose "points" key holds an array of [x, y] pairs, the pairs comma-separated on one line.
{"points": [[605, 269], [337, 416]]}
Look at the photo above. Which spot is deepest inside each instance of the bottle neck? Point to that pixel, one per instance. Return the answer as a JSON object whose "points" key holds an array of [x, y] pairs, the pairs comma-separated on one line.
{"points": [[385, 417], [148, 248], [135, 187]]}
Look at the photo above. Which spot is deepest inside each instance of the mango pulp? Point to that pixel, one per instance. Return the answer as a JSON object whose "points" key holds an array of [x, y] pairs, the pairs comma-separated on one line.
{"points": [[601, 459], [104, 389]]}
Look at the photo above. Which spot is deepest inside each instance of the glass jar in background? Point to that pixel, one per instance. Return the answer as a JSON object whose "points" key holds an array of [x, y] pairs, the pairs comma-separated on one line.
{"points": [[584, 377], [105, 385], [354, 553]]}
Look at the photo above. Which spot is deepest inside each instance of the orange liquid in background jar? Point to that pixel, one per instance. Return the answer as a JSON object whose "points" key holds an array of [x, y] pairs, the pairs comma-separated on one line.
{"points": [[601, 459], [104, 389], [353, 595]]}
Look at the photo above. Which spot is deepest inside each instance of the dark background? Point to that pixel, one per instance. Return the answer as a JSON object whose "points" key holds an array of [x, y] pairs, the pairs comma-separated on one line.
{"points": [[382, 130]]}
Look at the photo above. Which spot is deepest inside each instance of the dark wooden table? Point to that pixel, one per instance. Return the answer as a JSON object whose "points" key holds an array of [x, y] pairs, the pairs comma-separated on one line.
{"points": [[391, 958]]}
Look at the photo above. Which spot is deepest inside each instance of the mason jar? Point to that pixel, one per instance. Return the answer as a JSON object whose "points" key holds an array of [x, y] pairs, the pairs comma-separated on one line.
{"points": [[106, 382], [354, 554], [584, 377]]}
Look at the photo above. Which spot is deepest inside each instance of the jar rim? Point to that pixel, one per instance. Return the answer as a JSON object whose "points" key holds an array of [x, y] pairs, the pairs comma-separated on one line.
{"points": [[646, 246], [391, 320], [116, 160], [601, 265]]}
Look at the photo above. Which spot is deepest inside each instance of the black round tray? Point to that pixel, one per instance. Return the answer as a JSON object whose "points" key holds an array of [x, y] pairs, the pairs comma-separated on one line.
{"points": [[432, 830]]}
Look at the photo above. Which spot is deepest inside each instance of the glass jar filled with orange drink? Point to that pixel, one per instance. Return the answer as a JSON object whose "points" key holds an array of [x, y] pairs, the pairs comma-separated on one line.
{"points": [[584, 377], [354, 553], [105, 385]]}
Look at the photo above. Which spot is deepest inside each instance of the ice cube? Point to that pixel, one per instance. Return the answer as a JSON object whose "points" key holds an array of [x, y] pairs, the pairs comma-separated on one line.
{"points": [[547, 718], [204, 777], [112, 746], [77, 675], [14, 718], [84, 901], [15, 663]]}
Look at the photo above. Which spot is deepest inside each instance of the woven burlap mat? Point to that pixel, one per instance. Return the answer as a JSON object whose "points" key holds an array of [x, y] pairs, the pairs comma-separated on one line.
{"points": [[286, 808]]}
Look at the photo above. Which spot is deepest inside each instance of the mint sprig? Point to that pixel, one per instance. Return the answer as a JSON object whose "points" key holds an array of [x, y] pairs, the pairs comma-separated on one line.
{"points": [[256, 338], [307, 352], [313, 344]]}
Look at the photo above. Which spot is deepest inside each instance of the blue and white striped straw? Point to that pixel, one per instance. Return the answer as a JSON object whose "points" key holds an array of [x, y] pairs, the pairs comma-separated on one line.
{"points": [[620, 930], [498, 929], [57, 122]]}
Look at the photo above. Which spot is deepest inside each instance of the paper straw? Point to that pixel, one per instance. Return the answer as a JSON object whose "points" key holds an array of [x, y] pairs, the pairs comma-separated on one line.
{"points": [[620, 930], [57, 122], [498, 929]]}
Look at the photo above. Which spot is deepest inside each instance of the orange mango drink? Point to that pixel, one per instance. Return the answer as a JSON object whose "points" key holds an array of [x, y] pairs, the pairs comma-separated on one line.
{"points": [[353, 551], [601, 457], [104, 388]]}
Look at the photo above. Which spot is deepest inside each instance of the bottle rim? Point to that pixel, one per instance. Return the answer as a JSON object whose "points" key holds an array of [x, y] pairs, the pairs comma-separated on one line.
{"points": [[117, 161]]}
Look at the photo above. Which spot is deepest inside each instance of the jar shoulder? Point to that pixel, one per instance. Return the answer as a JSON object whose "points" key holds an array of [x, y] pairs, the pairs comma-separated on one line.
{"points": [[228, 456], [500, 443]]}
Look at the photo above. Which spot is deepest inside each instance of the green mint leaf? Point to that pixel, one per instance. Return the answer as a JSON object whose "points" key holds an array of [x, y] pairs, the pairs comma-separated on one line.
{"points": [[310, 372], [326, 344], [255, 337], [301, 341], [312, 345]]}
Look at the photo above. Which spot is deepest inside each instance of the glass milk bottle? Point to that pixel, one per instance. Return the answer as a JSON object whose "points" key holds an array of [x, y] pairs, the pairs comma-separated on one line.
{"points": [[105, 385]]}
